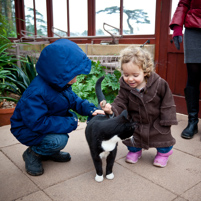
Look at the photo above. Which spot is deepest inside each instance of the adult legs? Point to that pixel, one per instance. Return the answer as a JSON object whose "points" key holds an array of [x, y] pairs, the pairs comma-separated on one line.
{"points": [[192, 99]]}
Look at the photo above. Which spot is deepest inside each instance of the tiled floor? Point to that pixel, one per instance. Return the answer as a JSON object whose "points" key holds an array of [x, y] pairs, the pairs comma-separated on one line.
{"points": [[179, 181]]}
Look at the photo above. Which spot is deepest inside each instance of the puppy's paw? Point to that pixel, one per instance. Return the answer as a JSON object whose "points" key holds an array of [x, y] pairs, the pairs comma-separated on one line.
{"points": [[110, 176], [99, 178]]}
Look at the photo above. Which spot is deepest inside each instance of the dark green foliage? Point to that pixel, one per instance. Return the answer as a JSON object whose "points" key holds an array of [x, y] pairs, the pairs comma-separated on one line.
{"points": [[17, 79], [85, 85], [12, 78], [5, 58]]}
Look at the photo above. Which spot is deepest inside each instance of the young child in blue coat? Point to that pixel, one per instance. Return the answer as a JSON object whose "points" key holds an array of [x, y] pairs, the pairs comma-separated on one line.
{"points": [[42, 118]]}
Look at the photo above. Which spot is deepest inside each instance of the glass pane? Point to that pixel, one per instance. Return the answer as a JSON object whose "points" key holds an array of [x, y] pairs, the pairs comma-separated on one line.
{"points": [[41, 17], [139, 17], [78, 17], [174, 6], [60, 18], [29, 16], [7, 18], [107, 12]]}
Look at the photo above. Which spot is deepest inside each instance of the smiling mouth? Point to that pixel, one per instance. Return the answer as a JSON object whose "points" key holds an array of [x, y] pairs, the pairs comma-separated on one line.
{"points": [[133, 85]]}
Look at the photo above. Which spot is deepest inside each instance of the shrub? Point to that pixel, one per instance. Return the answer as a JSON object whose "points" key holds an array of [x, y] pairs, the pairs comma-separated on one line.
{"points": [[85, 85]]}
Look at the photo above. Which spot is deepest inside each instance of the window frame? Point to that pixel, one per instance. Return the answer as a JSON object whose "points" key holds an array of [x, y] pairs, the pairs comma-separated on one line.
{"points": [[20, 14], [92, 38]]}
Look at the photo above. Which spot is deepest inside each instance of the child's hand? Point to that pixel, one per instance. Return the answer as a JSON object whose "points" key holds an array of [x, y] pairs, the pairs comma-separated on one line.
{"points": [[98, 112], [106, 107]]}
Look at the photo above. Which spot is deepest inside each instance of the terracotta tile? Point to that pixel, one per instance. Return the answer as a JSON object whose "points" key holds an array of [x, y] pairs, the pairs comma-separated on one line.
{"points": [[190, 146], [179, 181], [6, 137], [14, 184], [125, 186], [56, 172], [35, 196], [193, 194], [180, 199], [181, 173]]}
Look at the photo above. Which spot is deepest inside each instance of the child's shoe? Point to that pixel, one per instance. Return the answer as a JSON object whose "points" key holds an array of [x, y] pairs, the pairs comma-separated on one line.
{"points": [[132, 157], [161, 159], [58, 157], [33, 164]]}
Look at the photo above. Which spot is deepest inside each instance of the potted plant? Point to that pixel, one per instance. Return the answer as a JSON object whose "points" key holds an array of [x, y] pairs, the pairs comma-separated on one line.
{"points": [[7, 104], [6, 107], [13, 81]]}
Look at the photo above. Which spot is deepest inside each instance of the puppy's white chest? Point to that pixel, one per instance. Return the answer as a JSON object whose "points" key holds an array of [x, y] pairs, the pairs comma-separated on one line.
{"points": [[104, 154], [109, 145]]}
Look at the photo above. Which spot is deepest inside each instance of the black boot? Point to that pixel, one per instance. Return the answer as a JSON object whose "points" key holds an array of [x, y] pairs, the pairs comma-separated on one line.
{"points": [[58, 157], [192, 102], [33, 163]]}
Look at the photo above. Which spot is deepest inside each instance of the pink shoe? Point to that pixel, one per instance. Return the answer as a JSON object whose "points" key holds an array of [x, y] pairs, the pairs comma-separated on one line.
{"points": [[162, 159], [132, 157]]}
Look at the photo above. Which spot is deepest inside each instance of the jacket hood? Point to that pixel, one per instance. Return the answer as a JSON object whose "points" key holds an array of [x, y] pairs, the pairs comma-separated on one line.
{"points": [[60, 62], [153, 77]]}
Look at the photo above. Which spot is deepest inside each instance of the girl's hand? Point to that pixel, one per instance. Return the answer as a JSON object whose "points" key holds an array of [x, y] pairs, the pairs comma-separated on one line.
{"points": [[106, 107], [98, 112]]}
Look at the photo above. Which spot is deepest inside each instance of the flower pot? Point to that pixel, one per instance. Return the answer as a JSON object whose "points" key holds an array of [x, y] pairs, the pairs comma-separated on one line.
{"points": [[5, 115]]}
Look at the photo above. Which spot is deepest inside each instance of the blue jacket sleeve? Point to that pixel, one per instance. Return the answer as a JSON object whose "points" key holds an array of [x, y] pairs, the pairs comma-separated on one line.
{"points": [[83, 107], [35, 117]]}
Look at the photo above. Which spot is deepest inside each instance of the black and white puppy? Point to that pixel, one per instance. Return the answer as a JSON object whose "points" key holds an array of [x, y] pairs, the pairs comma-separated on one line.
{"points": [[103, 133]]}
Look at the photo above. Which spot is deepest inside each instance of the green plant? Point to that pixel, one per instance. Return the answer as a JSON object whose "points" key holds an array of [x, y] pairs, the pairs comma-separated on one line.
{"points": [[3, 30], [6, 59], [85, 85], [3, 75], [12, 78], [7, 20], [18, 79]]}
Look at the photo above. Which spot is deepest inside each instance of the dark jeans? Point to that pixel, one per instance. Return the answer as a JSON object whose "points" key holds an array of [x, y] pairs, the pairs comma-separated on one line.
{"points": [[51, 144], [161, 149]]}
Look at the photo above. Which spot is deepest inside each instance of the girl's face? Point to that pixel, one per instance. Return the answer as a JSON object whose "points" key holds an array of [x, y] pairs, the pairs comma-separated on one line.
{"points": [[73, 80], [133, 75]]}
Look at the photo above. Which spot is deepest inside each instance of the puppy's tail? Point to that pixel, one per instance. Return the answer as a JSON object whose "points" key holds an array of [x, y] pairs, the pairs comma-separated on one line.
{"points": [[99, 93]]}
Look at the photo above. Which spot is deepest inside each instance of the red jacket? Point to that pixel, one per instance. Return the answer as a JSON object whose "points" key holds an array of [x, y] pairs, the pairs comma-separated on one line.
{"points": [[188, 13]]}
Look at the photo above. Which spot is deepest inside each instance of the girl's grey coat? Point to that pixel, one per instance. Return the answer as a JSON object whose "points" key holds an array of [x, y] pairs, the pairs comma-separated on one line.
{"points": [[154, 110]]}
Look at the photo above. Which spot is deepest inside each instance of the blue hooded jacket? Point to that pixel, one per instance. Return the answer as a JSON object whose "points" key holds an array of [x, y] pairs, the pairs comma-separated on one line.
{"points": [[44, 106]]}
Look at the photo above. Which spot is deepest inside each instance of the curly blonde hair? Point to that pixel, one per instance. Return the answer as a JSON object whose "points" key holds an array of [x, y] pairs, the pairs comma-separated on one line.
{"points": [[139, 57]]}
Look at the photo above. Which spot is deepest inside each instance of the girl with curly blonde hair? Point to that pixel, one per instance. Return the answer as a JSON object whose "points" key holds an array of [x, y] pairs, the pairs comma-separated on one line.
{"points": [[149, 102]]}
